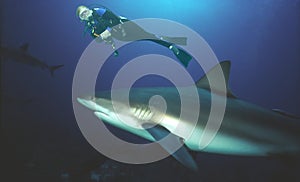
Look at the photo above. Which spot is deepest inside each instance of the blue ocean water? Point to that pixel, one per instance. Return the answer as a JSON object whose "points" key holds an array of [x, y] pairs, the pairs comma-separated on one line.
{"points": [[261, 38]]}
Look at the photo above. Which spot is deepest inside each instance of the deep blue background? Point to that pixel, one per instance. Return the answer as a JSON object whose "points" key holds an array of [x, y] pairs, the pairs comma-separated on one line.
{"points": [[260, 37]]}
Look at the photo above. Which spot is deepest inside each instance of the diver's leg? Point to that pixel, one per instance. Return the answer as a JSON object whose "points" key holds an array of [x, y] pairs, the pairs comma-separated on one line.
{"points": [[175, 40], [126, 30], [181, 54], [130, 31]]}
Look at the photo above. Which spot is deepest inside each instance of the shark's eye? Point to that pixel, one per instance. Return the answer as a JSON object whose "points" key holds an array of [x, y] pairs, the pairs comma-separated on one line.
{"points": [[92, 98]]}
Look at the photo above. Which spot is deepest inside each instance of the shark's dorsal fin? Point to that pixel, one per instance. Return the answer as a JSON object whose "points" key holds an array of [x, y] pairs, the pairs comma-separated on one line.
{"points": [[24, 47], [203, 82]]}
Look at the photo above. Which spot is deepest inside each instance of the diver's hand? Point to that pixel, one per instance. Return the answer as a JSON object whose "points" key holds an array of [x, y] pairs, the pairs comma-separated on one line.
{"points": [[105, 35]]}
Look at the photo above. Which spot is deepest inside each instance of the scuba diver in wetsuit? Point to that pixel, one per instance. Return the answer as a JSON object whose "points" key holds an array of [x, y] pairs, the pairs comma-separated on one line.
{"points": [[104, 25]]}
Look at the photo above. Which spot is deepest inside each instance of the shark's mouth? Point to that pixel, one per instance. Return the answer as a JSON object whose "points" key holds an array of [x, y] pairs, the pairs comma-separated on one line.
{"points": [[100, 113]]}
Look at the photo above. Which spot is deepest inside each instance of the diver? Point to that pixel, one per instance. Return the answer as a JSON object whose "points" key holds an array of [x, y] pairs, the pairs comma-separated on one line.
{"points": [[104, 25]]}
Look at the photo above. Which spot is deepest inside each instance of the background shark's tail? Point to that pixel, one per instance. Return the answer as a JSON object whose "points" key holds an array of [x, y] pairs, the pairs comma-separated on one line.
{"points": [[54, 68]]}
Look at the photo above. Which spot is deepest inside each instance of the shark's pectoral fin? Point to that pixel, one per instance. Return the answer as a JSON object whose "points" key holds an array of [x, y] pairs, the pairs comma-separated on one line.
{"points": [[24, 47], [182, 155]]}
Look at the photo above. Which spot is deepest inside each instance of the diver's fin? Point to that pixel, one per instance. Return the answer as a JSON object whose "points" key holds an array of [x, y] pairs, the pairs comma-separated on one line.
{"points": [[181, 55], [213, 74], [175, 40], [182, 155], [24, 47], [284, 113], [54, 68]]}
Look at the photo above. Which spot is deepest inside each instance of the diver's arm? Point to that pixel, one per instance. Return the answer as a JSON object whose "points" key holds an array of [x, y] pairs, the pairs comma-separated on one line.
{"points": [[106, 34], [107, 38]]}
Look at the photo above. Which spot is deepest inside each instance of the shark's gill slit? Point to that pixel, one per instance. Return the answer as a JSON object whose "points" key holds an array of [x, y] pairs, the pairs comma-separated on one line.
{"points": [[142, 113]]}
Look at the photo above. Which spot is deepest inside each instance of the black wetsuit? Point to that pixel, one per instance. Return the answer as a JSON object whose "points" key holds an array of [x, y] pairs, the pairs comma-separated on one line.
{"points": [[103, 19]]}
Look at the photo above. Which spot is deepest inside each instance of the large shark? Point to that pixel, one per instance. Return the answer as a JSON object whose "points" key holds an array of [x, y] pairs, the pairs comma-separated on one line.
{"points": [[21, 55], [247, 129]]}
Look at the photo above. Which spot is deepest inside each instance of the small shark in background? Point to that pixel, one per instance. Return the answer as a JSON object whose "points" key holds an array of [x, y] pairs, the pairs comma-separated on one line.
{"points": [[247, 129], [21, 55]]}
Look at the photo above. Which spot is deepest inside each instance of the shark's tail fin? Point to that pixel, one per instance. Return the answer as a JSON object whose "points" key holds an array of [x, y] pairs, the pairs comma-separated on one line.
{"points": [[181, 54], [54, 68]]}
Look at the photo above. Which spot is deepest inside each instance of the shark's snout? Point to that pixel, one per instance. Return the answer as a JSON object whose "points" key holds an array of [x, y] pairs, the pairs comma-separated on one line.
{"points": [[93, 104], [87, 103], [100, 106]]}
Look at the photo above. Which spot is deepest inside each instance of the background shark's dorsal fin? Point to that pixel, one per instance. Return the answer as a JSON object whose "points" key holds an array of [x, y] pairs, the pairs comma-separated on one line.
{"points": [[203, 82], [24, 47]]}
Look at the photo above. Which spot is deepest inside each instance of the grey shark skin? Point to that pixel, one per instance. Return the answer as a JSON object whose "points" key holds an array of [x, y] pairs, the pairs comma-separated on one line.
{"points": [[246, 129], [21, 55]]}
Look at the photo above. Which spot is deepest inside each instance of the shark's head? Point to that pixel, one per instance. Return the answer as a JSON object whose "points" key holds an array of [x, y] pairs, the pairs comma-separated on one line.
{"points": [[145, 116], [118, 113], [98, 105]]}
